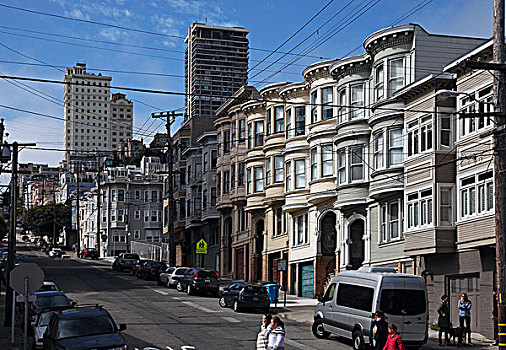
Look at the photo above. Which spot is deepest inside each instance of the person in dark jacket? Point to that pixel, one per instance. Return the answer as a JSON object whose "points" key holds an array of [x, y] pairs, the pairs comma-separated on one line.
{"points": [[379, 331], [495, 314], [444, 319]]}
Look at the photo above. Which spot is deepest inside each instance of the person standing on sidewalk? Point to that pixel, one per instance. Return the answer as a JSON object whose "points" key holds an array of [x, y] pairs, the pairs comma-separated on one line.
{"points": [[394, 341], [495, 314], [277, 335], [444, 319], [465, 315], [379, 331], [265, 330]]}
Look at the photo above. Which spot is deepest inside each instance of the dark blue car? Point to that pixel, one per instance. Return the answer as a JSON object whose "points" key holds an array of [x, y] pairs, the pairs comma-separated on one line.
{"points": [[83, 328]]}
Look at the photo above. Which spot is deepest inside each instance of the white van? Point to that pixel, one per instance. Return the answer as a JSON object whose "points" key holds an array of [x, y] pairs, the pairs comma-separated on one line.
{"points": [[347, 306]]}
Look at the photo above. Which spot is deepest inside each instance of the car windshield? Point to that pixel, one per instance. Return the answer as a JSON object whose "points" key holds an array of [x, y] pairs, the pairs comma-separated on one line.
{"points": [[86, 326], [45, 318], [43, 302], [206, 274], [131, 256], [48, 288]]}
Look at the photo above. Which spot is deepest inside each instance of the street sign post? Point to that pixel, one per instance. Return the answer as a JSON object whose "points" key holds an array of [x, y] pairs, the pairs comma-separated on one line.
{"points": [[282, 266], [201, 249], [26, 279]]}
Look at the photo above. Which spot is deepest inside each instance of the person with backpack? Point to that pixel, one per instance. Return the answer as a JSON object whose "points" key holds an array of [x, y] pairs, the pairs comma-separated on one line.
{"points": [[444, 319], [394, 341], [379, 331]]}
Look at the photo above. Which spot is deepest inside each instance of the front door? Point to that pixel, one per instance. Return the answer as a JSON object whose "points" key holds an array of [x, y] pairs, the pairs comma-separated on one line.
{"points": [[357, 252], [307, 280], [239, 263]]}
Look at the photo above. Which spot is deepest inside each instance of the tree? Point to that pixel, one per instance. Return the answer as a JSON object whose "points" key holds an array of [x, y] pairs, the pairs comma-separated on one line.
{"points": [[3, 227], [40, 219]]}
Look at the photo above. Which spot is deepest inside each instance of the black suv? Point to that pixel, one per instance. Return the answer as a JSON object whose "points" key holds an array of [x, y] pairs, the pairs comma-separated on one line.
{"points": [[151, 270], [197, 280], [90, 327]]}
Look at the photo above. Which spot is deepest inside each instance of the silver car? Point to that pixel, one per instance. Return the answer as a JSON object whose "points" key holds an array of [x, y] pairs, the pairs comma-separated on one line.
{"points": [[39, 327], [176, 276], [164, 276]]}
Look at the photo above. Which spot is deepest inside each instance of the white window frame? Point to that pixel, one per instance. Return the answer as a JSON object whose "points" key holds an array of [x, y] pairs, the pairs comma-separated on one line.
{"points": [[327, 160], [341, 167], [258, 179], [300, 230], [379, 84], [327, 105], [483, 189], [342, 111], [395, 149], [392, 79], [278, 169], [353, 165], [137, 234], [385, 222], [300, 177], [442, 206], [268, 171], [378, 151], [415, 205], [357, 111], [279, 123], [288, 176], [314, 163]]}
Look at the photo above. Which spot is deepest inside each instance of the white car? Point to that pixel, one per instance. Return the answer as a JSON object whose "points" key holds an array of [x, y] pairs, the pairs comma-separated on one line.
{"points": [[39, 327], [48, 286], [55, 252]]}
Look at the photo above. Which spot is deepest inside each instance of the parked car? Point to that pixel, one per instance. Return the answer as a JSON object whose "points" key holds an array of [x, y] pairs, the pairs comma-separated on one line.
{"points": [[39, 326], [352, 297], [163, 279], [47, 300], [174, 278], [83, 328], [55, 253], [124, 261], [240, 295], [136, 266], [151, 269], [91, 253], [48, 286], [196, 280]]}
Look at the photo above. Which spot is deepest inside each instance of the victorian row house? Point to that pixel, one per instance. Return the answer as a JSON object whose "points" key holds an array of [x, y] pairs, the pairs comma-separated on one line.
{"points": [[364, 162]]}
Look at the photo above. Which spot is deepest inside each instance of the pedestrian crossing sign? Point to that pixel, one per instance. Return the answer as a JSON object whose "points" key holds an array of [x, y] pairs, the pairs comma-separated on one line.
{"points": [[202, 247]]}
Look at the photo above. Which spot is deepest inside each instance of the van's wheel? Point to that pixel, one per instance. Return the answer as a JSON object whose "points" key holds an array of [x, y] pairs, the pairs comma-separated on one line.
{"points": [[318, 330], [358, 341]]}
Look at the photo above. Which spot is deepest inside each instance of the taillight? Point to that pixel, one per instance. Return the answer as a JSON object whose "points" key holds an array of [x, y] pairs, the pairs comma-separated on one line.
{"points": [[122, 261], [196, 275], [153, 269], [217, 276]]}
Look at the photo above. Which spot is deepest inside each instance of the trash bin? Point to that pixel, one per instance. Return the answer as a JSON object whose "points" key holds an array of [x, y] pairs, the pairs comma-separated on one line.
{"points": [[273, 290]]}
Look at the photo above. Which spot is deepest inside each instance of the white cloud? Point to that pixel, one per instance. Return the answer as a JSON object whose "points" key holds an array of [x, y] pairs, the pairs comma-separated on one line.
{"points": [[77, 14]]}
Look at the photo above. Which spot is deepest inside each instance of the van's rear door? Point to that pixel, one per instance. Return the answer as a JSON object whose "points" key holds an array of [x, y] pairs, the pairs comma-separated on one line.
{"points": [[415, 310]]}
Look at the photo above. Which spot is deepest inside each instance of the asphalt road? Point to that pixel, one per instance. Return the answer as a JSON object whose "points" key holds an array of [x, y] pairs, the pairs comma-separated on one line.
{"points": [[162, 318]]}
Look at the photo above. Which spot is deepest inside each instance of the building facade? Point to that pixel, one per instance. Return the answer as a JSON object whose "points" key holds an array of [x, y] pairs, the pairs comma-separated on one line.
{"points": [[121, 114]]}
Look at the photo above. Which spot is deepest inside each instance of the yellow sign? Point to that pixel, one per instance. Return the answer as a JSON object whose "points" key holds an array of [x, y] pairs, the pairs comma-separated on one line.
{"points": [[202, 247]]}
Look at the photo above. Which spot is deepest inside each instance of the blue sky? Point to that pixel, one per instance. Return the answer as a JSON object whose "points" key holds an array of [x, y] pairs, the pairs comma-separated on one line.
{"points": [[270, 24]]}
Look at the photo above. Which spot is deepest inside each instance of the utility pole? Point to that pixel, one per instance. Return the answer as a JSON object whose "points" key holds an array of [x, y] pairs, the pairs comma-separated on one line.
{"points": [[98, 205], [500, 166], [12, 230], [170, 119], [78, 243], [54, 214]]}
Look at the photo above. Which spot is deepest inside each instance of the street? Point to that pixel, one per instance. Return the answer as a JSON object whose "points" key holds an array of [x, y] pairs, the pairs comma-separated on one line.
{"points": [[162, 318]]}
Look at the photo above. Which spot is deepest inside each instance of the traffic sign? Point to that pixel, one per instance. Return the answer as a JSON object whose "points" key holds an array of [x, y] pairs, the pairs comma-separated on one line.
{"points": [[31, 271], [202, 247], [282, 265]]}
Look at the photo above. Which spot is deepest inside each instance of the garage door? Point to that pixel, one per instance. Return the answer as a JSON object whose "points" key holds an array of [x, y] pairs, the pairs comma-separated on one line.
{"points": [[307, 280], [239, 263]]}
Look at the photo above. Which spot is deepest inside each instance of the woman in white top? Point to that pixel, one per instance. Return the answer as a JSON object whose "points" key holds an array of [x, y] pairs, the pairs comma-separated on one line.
{"points": [[263, 335], [277, 335]]}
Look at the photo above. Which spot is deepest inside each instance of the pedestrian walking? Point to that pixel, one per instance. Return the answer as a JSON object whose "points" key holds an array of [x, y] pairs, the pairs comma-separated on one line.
{"points": [[495, 315], [394, 341], [379, 332], [277, 335], [444, 319], [263, 335], [465, 315]]}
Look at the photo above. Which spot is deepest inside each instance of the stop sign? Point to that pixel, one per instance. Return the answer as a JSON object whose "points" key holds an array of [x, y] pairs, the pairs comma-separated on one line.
{"points": [[31, 271]]}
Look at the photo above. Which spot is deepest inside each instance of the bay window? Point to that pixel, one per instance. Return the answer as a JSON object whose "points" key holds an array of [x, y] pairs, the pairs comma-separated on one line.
{"points": [[288, 124], [477, 195], [314, 107], [259, 179], [356, 163], [389, 221], [478, 101], [341, 166], [396, 75], [300, 121], [242, 130], [278, 119], [378, 151], [327, 161], [268, 171], [314, 164], [341, 112], [269, 121], [327, 101], [278, 169], [379, 83], [419, 208], [248, 186], [259, 133], [288, 176], [357, 101], [300, 173], [395, 146]]}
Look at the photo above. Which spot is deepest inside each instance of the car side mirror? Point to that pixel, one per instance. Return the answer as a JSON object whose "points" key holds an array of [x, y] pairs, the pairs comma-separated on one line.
{"points": [[122, 327], [320, 298]]}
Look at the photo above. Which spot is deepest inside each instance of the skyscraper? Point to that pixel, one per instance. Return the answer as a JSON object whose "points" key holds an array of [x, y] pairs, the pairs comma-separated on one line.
{"points": [[216, 65]]}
